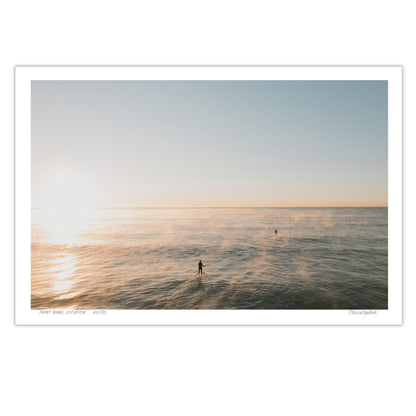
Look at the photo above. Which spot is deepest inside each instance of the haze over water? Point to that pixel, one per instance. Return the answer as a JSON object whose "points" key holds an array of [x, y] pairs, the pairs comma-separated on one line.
{"points": [[136, 258]]}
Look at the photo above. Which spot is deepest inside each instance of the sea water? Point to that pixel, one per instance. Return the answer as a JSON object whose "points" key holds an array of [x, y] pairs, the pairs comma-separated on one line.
{"points": [[147, 258]]}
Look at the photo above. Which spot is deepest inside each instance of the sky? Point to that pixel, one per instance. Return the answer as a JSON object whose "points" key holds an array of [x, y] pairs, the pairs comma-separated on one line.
{"points": [[209, 143]]}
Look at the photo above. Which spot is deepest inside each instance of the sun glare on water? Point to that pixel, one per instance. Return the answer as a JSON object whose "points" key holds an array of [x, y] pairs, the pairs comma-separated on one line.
{"points": [[66, 197]]}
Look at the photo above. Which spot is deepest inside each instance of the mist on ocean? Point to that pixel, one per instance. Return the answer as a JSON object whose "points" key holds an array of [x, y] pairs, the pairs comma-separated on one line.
{"points": [[137, 258]]}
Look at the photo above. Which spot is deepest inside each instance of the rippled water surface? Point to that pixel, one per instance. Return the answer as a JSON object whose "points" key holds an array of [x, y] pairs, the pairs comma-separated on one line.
{"points": [[321, 258]]}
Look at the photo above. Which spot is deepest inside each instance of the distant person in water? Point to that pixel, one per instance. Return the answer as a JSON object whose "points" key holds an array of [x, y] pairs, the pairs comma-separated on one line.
{"points": [[200, 266], [275, 232]]}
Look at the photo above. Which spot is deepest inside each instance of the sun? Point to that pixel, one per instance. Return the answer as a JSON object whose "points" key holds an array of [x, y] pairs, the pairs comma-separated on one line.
{"points": [[65, 197], [64, 189]]}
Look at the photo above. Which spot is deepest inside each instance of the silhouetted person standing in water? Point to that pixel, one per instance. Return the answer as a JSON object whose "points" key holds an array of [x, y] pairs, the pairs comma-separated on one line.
{"points": [[200, 266]]}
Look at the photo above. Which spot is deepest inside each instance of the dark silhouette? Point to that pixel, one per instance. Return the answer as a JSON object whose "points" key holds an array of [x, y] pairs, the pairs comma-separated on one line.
{"points": [[275, 232], [200, 266]]}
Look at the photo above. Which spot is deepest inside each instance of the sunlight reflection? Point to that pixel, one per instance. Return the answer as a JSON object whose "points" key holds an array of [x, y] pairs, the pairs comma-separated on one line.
{"points": [[64, 226], [61, 276]]}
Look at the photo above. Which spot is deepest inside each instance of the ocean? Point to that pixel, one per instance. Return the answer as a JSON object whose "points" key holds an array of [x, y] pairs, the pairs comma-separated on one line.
{"points": [[147, 258]]}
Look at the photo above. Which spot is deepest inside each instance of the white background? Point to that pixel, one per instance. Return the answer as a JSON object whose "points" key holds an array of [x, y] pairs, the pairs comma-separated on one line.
{"points": [[205, 370]]}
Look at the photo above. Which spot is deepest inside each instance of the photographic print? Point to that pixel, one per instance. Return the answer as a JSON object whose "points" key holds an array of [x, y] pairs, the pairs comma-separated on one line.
{"points": [[222, 195]]}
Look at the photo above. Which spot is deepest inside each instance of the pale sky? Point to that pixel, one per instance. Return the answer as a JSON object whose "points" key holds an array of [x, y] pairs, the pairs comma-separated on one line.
{"points": [[210, 143]]}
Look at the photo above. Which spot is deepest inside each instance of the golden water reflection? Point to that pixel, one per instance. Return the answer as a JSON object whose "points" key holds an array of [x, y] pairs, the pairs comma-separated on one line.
{"points": [[61, 276], [54, 272], [62, 226]]}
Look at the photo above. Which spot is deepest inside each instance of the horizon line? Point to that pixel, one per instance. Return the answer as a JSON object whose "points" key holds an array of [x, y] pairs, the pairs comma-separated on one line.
{"points": [[220, 207]]}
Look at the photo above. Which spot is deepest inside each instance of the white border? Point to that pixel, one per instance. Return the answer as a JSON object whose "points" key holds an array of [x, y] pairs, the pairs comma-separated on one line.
{"points": [[25, 316]]}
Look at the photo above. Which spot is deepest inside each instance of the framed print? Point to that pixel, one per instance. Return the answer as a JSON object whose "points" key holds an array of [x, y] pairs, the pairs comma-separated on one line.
{"points": [[208, 195]]}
